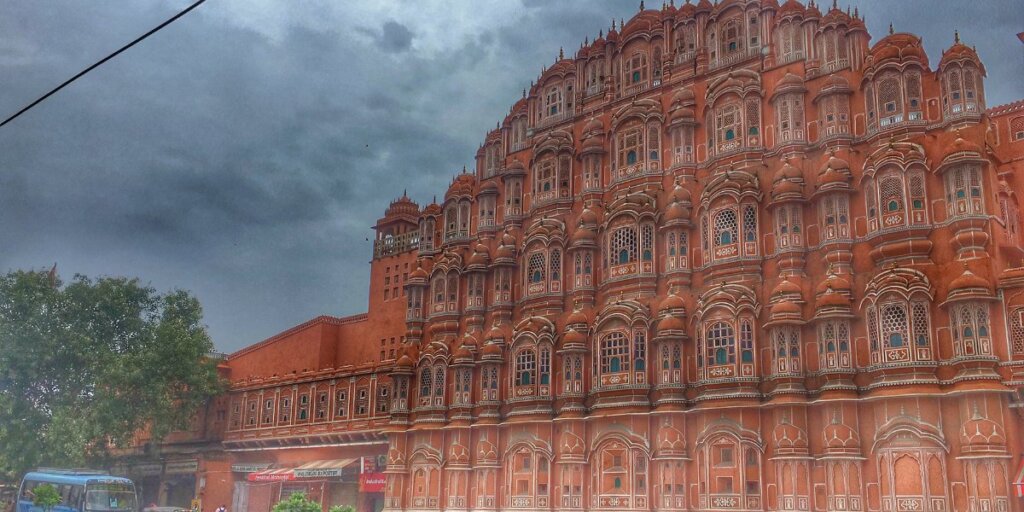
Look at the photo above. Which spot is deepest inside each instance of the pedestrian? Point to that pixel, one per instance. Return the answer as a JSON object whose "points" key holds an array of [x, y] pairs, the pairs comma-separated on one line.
{"points": [[221, 508]]}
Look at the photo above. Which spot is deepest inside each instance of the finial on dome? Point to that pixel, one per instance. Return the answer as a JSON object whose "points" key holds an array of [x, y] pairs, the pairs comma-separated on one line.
{"points": [[956, 36], [856, 12], [641, 5], [891, 31], [435, 199], [835, 4], [622, 24], [613, 23], [600, 33], [524, 92], [404, 190], [561, 53]]}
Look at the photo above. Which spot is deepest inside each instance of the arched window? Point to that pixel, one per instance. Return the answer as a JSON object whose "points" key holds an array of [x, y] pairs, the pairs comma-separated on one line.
{"points": [[639, 350], [835, 216], [425, 386], [786, 350], [629, 142], [789, 113], [623, 245], [536, 268], [546, 180], [834, 345], [636, 69], [725, 227], [732, 37], [614, 353], [900, 331], [526, 367], [721, 344], [890, 99], [545, 366], [963, 191], [427, 234], [729, 126]]}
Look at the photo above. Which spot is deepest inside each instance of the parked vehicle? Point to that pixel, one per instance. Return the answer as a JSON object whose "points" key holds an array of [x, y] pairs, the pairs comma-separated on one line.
{"points": [[80, 491]]}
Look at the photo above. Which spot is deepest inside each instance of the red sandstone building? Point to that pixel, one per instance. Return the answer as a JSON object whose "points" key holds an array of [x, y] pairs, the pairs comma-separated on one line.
{"points": [[725, 257]]}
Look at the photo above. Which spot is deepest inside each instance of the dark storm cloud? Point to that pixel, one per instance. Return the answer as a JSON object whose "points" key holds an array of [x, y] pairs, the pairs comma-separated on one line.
{"points": [[244, 151]]}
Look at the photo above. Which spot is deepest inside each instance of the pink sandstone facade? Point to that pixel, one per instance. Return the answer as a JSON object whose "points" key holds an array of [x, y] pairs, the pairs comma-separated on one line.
{"points": [[726, 257]]}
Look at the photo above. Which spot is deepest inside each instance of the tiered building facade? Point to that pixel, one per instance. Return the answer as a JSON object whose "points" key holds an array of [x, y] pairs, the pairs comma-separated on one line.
{"points": [[726, 257]]}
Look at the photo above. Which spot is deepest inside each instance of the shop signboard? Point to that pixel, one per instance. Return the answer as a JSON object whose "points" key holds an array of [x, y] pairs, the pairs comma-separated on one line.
{"points": [[251, 467], [146, 469], [181, 467], [372, 482], [318, 473]]}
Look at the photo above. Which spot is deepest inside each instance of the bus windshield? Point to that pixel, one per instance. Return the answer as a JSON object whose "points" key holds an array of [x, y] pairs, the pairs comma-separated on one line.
{"points": [[108, 497]]}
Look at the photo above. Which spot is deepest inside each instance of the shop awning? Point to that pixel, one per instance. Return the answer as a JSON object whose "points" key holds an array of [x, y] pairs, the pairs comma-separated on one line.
{"points": [[1018, 481], [323, 468], [272, 475]]}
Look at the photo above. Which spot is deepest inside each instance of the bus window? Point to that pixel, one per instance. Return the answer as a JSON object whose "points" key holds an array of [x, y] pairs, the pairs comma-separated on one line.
{"points": [[75, 500], [108, 497]]}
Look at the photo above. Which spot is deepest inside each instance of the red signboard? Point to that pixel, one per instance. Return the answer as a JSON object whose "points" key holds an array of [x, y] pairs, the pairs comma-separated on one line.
{"points": [[372, 482], [271, 476]]}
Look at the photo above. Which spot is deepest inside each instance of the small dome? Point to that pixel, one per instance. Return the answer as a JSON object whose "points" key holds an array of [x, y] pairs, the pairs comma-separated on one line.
{"points": [[405, 361], [671, 323], [676, 211], [786, 287], [419, 273], [574, 338], [593, 126], [831, 299], [785, 308], [491, 351], [961, 145], [968, 281], [588, 216], [682, 194], [786, 188], [481, 255], [787, 172], [791, 8], [789, 437], [495, 333], [462, 354], [684, 97], [489, 188], [959, 52], [583, 234], [577, 317], [834, 282], [671, 303], [432, 209]]}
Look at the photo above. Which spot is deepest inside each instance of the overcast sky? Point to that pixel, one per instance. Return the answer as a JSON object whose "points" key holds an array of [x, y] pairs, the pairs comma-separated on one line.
{"points": [[244, 152]]}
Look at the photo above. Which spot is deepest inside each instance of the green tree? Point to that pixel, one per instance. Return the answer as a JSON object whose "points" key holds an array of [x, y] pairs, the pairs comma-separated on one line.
{"points": [[86, 365], [342, 508], [297, 502], [46, 497]]}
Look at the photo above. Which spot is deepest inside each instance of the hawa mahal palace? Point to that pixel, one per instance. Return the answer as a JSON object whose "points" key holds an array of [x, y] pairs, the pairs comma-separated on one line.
{"points": [[725, 257]]}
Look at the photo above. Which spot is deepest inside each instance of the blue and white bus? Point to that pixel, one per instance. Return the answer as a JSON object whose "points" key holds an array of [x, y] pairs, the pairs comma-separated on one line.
{"points": [[80, 491]]}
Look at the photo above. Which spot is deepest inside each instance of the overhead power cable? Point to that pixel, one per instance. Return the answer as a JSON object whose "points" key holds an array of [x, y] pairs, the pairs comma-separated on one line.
{"points": [[100, 63]]}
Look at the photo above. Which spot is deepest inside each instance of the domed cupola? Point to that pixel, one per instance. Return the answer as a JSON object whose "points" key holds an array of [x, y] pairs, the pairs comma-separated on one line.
{"points": [[839, 438], [682, 110], [789, 439], [790, 9], [959, 54], [574, 340], [834, 176], [981, 435], [578, 319], [786, 299], [789, 84], [899, 48], [672, 311], [787, 184], [969, 286], [506, 252], [480, 258], [461, 187], [833, 297]]}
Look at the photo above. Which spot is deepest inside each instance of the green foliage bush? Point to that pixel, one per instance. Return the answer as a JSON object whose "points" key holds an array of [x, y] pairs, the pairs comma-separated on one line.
{"points": [[45, 497], [297, 502]]}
